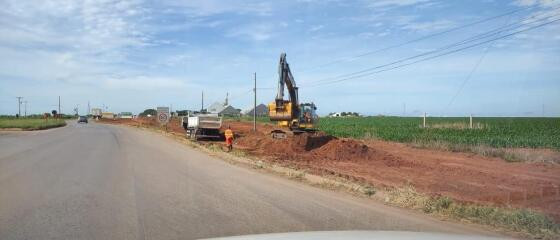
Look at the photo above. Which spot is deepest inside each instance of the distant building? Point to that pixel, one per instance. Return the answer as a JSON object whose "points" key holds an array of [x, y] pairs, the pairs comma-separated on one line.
{"points": [[127, 115], [344, 114], [108, 115], [336, 114], [184, 112], [223, 109], [261, 109]]}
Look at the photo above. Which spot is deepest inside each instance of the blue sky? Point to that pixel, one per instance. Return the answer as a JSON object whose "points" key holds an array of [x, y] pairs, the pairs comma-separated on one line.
{"points": [[131, 55]]}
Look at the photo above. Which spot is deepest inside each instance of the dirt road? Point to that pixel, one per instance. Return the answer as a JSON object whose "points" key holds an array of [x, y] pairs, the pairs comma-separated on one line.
{"points": [[99, 181]]}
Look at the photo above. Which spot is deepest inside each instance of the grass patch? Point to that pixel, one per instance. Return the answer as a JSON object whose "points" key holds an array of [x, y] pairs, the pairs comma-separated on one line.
{"points": [[295, 174], [30, 123], [259, 164], [369, 191], [508, 154], [526, 221], [238, 153]]}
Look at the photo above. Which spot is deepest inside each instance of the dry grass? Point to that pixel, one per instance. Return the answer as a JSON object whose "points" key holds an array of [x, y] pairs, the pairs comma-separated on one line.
{"points": [[533, 224], [508, 154], [296, 174]]}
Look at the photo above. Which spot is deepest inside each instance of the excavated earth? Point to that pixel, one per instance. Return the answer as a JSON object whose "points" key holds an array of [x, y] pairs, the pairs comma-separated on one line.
{"points": [[464, 177]]}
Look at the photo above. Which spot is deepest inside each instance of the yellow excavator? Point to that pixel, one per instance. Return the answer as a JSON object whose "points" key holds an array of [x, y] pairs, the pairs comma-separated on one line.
{"points": [[299, 118]]}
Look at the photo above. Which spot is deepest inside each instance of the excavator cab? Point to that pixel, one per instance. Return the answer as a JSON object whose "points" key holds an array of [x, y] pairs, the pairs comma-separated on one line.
{"points": [[308, 118]]}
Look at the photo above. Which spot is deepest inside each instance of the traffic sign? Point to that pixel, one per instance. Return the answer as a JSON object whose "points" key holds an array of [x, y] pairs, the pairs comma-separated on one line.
{"points": [[163, 115]]}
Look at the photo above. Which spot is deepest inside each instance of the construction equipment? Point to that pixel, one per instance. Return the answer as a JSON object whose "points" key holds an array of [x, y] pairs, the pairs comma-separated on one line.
{"points": [[202, 125], [96, 113], [299, 118]]}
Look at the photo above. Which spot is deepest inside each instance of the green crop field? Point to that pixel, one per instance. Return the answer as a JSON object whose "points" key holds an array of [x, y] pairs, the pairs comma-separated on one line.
{"points": [[489, 131], [30, 123]]}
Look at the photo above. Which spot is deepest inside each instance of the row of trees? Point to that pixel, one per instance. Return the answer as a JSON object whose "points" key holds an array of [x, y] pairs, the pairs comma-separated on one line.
{"points": [[147, 112]]}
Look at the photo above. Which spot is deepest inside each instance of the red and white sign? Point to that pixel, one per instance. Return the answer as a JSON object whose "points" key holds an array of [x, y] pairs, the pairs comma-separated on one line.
{"points": [[163, 115]]}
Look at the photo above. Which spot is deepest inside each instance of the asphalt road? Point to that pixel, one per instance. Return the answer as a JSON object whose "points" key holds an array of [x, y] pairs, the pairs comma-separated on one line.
{"points": [[100, 181]]}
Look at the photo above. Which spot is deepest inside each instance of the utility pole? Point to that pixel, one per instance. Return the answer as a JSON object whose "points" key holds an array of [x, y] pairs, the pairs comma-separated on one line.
{"points": [[25, 111], [59, 105], [76, 109], [88, 109], [255, 104], [19, 105], [202, 103]]}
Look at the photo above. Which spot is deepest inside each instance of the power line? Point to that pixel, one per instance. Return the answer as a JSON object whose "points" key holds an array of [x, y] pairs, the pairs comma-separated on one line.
{"points": [[347, 59], [469, 76], [439, 55], [475, 38], [243, 94]]}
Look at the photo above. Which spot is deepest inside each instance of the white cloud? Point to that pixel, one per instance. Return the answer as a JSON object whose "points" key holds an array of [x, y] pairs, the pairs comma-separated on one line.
{"points": [[144, 83], [213, 7], [176, 60], [383, 34], [543, 3], [255, 32], [428, 26], [89, 27], [395, 3], [316, 28]]}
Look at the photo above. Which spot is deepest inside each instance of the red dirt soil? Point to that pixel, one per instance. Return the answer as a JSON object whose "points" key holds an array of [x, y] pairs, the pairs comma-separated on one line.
{"points": [[462, 176]]}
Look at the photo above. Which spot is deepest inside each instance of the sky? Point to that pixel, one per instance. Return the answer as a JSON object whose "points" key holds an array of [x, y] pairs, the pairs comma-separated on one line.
{"points": [[133, 54]]}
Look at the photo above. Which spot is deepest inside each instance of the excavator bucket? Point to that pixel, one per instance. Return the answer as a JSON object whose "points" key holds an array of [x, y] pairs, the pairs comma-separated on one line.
{"points": [[278, 134]]}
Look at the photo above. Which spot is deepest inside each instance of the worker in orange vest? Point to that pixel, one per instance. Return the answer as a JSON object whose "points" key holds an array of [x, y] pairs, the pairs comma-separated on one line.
{"points": [[229, 138]]}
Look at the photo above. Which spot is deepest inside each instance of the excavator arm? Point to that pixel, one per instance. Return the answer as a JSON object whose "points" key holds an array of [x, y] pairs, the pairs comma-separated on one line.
{"points": [[285, 78]]}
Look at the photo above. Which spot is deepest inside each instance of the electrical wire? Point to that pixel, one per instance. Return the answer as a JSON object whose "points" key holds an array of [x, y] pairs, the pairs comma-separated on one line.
{"points": [[352, 58], [475, 38], [439, 55], [469, 76]]}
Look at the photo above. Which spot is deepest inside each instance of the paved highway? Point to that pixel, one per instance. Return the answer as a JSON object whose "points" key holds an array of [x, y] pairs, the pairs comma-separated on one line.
{"points": [[100, 181]]}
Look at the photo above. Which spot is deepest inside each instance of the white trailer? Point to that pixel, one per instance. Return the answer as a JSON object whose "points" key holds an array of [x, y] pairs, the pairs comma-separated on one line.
{"points": [[96, 113], [202, 125]]}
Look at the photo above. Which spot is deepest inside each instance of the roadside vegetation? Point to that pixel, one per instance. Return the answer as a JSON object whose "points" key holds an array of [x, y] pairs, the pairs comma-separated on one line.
{"points": [[30, 123], [526, 221]]}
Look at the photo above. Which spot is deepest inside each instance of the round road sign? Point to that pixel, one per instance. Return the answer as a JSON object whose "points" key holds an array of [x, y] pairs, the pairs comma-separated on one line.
{"points": [[162, 117]]}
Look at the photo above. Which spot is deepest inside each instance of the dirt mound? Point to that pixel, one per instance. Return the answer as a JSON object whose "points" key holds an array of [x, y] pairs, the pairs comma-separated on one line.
{"points": [[346, 149], [309, 141]]}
